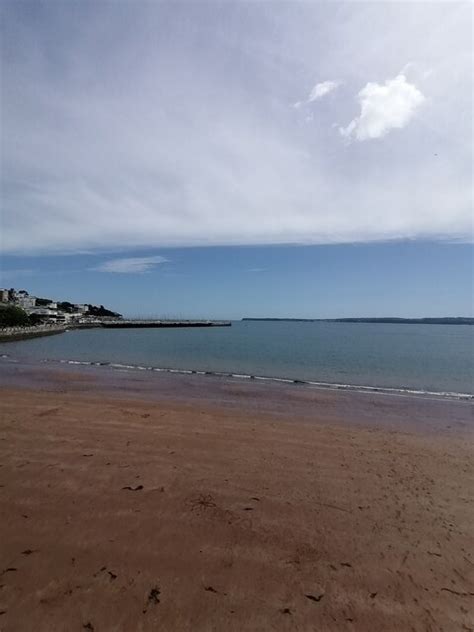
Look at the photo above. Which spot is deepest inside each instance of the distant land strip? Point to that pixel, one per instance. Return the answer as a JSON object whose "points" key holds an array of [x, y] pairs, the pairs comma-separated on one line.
{"points": [[448, 320]]}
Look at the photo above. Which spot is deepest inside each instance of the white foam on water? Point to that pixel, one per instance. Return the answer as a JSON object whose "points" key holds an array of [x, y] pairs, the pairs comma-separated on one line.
{"points": [[263, 378]]}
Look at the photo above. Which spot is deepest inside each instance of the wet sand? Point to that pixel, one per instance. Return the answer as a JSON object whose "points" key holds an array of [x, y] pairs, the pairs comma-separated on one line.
{"points": [[132, 502]]}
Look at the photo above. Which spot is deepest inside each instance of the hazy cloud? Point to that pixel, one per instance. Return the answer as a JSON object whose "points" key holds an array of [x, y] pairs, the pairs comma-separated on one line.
{"points": [[383, 108], [131, 265]]}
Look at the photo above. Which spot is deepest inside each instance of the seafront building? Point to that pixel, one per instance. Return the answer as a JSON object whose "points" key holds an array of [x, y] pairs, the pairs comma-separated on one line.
{"points": [[46, 310], [27, 302], [81, 308]]}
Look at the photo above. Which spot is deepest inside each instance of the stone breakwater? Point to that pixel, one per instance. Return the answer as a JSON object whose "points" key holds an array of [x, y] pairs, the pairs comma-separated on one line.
{"points": [[10, 334]]}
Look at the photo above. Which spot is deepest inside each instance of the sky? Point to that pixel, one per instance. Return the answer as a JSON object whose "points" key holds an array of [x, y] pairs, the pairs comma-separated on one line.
{"points": [[225, 159]]}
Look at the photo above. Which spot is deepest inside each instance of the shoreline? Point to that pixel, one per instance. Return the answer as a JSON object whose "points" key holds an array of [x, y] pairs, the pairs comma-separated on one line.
{"points": [[400, 411], [331, 386], [137, 501]]}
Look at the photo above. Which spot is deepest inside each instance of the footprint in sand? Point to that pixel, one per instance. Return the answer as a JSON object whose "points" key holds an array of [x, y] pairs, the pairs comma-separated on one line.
{"points": [[315, 597], [153, 598]]}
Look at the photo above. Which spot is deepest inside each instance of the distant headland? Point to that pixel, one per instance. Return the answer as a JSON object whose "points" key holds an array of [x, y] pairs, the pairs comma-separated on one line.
{"points": [[447, 320]]}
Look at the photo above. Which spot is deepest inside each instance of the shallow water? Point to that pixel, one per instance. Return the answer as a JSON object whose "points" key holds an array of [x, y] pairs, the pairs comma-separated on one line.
{"points": [[437, 358]]}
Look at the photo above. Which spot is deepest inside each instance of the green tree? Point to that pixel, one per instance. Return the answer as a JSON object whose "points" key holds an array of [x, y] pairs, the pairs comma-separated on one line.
{"points": [[13, 316]]}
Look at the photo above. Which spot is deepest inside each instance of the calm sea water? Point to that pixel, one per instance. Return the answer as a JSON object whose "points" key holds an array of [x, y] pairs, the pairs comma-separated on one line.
{"points": [[423, 357]]}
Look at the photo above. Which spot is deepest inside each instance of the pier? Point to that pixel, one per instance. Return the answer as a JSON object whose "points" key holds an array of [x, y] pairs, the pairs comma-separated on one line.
{"points": [[12, 334], [136, 323]]}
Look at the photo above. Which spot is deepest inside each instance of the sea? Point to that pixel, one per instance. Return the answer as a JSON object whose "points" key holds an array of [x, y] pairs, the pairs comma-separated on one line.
{"points": [[435, 359]]}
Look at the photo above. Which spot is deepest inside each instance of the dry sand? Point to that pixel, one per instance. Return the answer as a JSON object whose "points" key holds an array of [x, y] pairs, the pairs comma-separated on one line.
{"points": [[132, 513]]}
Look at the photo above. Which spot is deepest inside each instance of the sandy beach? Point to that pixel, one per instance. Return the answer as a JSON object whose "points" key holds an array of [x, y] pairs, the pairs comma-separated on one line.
{"points": [[131, 502]]}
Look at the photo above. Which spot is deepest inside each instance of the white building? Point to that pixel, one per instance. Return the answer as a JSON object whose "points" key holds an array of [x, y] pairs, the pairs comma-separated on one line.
{"points": [[3, 296], [42, 311], [26, 301], [81, 308]]}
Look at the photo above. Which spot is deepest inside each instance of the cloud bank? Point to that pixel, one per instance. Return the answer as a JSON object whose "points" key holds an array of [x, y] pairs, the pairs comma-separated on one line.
{"points": [[383, 108], [167, 124]]}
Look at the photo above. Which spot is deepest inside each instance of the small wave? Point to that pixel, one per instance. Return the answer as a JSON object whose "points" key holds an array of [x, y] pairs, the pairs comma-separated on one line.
{"points": [[117, 365], [388, 390]]}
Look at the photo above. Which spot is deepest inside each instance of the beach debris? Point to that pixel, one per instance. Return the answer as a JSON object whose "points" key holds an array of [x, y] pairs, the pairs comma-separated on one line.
{"points": [[133, 489], [11, 569], [210, 589], [373, 595], [87, 455], [88, 626], [29, 551], [153, 598], [285, 611], [248, 508], [112, 576], [204, 500], [255, 498], [458, 593], [346, 564], [314, 597]]}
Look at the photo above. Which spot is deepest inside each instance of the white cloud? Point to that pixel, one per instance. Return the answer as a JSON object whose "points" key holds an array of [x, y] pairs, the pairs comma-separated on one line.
{"points": [[320, 90], [383, 108], [130, 265]]}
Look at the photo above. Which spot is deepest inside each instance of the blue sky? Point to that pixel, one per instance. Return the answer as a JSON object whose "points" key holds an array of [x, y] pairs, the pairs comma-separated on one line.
{"points": [[285, 158], [403, 279]]}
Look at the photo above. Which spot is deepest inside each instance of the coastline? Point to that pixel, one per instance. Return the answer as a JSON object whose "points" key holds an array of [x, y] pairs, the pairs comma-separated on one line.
{"points": [[135, 500], [267, 379], [298, 400]]}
